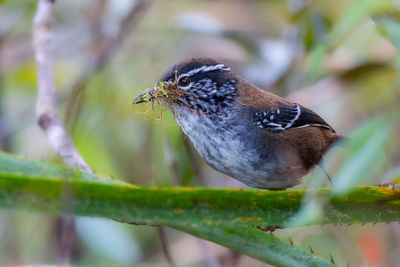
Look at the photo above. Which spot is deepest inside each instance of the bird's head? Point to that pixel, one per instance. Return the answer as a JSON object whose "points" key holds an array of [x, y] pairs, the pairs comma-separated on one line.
{"points": [[196, 84]]}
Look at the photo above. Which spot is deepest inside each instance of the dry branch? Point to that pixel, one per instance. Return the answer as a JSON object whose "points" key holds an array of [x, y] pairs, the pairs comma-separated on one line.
{"points": [[46, 110]]}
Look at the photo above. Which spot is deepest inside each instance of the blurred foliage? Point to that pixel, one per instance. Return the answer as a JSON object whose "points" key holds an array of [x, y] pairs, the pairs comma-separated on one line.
{"points": [[337, 57]]}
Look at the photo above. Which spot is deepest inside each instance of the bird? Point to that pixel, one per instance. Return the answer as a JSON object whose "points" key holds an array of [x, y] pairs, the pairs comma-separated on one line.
{"points": [[259, 138]]}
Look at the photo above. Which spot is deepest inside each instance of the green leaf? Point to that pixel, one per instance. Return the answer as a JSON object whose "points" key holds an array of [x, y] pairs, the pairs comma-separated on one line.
{"points": [[354, 13], [255, 243], [365, 156], [310, 213], [390, 28]]}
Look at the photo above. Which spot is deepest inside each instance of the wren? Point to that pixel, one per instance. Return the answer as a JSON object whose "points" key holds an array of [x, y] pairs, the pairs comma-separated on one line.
{"points": [[252, 135]]}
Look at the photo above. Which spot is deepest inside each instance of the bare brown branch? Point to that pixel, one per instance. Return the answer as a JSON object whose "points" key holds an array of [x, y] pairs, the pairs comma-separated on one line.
{"points": [[46, 110]]}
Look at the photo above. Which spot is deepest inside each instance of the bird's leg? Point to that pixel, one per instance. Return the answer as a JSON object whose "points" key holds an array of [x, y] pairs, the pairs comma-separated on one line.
{"points": [[321, 165], [268, 229], [389, 184]]}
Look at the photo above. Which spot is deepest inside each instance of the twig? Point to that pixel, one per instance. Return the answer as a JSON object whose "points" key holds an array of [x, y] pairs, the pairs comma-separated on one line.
{"points": [[47, 115], [4, 136], [100, 58], [230, 259], [66, 239], [209, 256], [164, 245]]}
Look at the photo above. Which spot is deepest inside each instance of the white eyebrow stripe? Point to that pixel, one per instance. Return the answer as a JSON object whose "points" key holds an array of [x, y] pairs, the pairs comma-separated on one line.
{"points": [[205, 68]]}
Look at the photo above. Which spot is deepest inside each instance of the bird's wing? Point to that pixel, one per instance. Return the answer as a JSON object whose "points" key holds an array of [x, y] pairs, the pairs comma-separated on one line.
{"points": [[288, 116]]}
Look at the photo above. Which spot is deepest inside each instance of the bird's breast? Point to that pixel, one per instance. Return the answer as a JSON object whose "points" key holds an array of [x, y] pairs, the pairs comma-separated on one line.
{"points": [[225, 143]]}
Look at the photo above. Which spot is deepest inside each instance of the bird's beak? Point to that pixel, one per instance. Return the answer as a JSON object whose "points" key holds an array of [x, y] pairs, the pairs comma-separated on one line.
{"points": [[145, 96], [162, 90]]}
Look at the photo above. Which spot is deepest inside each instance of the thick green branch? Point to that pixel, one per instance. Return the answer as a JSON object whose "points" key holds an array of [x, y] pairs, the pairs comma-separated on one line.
{"points": [[39, 186]]}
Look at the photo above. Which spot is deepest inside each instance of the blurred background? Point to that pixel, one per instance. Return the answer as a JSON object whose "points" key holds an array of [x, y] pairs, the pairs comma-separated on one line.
{"points": [[338, 58]]}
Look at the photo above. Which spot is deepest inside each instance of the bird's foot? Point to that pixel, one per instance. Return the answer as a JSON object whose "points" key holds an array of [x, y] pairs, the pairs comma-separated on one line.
{"points": [[268, 228], [389, 184]]}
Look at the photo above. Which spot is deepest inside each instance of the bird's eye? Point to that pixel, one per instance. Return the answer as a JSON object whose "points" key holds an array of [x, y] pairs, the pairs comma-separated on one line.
{"points": [[184, 81]]}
